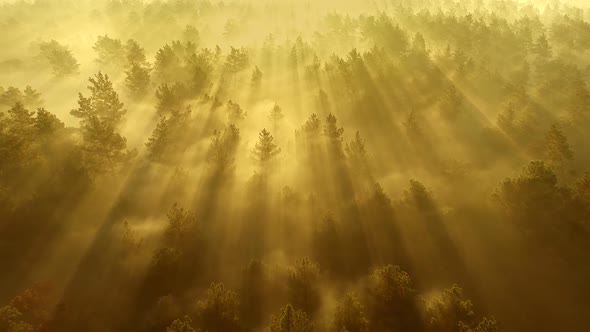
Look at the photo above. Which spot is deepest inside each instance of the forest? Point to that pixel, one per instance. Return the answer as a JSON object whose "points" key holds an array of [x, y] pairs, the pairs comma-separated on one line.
{"points": [[294, 166]]}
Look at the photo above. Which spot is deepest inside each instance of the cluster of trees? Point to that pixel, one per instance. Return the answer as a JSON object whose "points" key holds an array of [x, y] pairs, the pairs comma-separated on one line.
{"points": [[220, 171]]}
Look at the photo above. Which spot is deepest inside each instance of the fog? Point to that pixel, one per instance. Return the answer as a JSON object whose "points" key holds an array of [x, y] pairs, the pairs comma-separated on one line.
{"points": [[399, 165]]}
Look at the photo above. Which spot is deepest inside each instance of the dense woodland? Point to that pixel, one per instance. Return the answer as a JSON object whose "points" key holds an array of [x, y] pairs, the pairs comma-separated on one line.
{"points": [[294, 166]]}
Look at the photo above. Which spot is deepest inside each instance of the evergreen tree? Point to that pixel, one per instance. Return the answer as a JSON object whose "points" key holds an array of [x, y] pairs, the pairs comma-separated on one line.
{"points": [[557, 148], [60, 58], [103, 104], [542, 48], [31, 98], [181, 325], [137, 81], [302, 284], [135, 54], [350, 315], [235, 113], [219, 310], [103, 148], [265, 149], [237, 60], [291, 320], [256, 78], [275, 116], [111, 51], [191, 34], [223, 148]]}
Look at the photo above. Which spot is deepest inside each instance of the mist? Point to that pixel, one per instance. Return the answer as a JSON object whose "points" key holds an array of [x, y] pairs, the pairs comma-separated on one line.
{"points": [[387, 165]]}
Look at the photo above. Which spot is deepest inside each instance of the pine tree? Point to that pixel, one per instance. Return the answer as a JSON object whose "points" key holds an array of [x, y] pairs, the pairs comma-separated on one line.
{"points": [[237, 60], [221, 153], [111, 51], [60, 58], [31, 98], [103, 148], [256, 78], [191, 34], [275, 116], [542, 48], [135, 54], [235, 114], [291, 320], [265, 149], [557, 148], [181, 325], [350, 316], [356, 153], [168, 65], [137, 81], [219, 310], [103, 103]]}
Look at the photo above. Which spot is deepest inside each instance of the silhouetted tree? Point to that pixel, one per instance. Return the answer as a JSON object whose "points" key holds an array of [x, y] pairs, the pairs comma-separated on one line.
{"points": [[350, 315], [223, 147], [60, 58], [137, 80], [219, 310], [191, 34], [235, 114], [275, 116], [237, 60], [181, 325], [557, 148], [169, 139], [111, 51], [392, 301], [291, 320], [256, 77], [103, 105], [265, 149], [135, 54], [303, 288], [449, 310]]}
